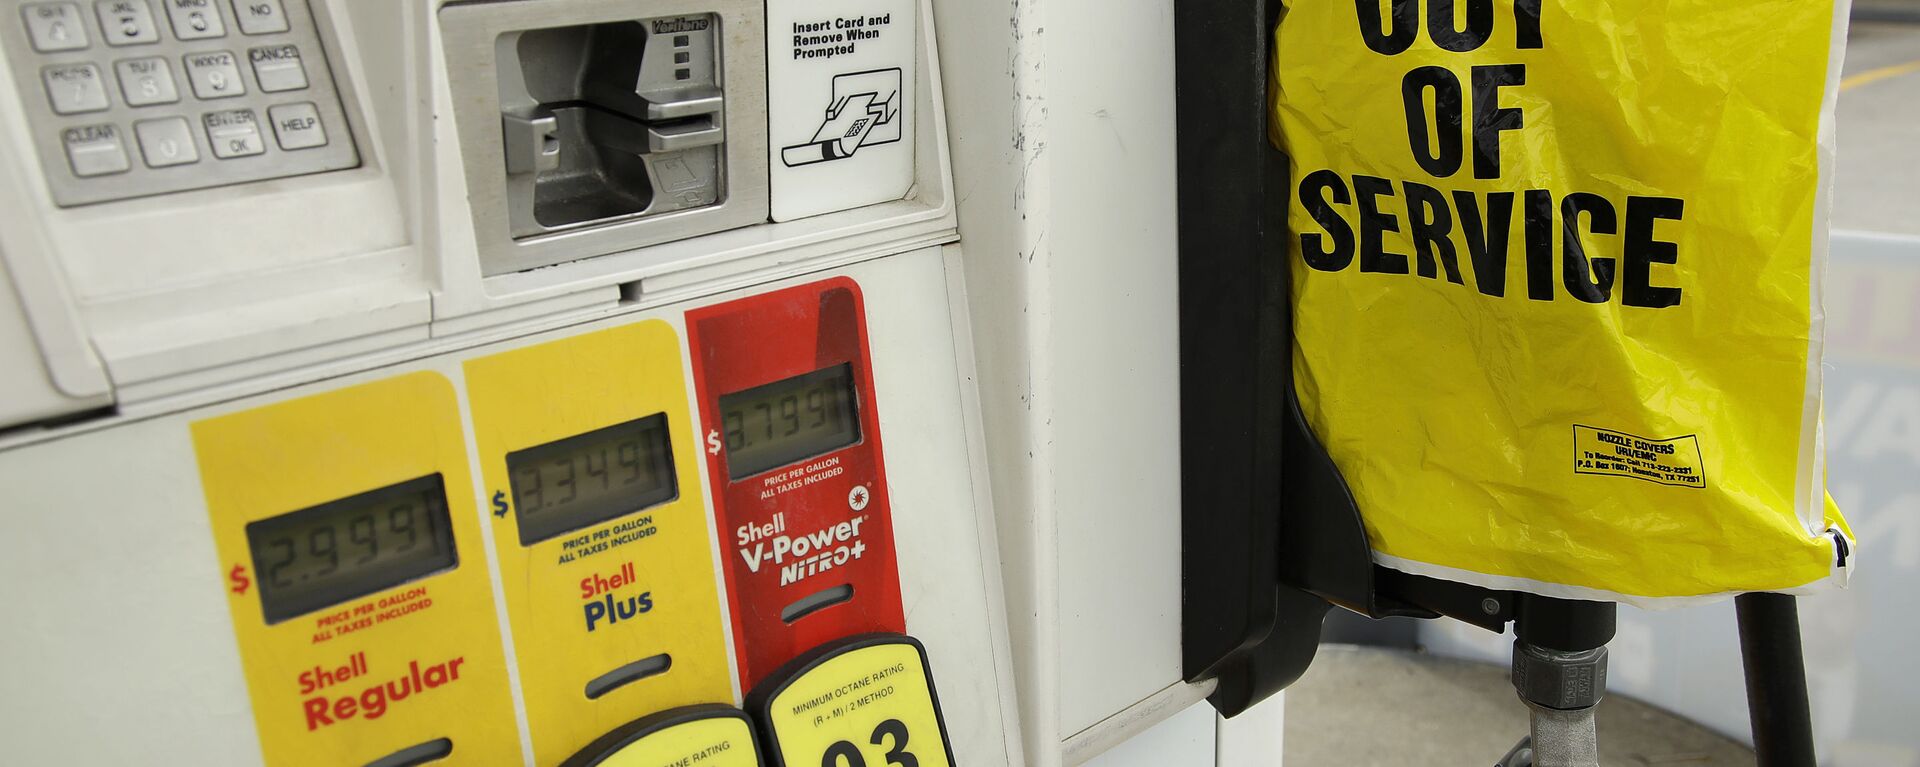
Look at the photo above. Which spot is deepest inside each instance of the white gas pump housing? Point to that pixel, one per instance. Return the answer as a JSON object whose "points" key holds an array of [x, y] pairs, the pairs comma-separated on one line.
{"points": [[266, 260]]}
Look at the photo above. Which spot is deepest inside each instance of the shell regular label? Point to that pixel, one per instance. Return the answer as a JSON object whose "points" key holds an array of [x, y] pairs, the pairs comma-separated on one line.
{"points": [[868, 701], [792, 437], [351, 559], [605, 548]]}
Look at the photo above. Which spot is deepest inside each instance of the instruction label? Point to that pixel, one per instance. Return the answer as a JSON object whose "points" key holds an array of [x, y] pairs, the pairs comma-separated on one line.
{"points": [[1618, 454], [868, 701], [840, 77]]}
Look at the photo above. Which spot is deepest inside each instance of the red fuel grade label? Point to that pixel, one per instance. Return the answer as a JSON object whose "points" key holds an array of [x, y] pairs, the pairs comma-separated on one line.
{"points": [[792, 436]]}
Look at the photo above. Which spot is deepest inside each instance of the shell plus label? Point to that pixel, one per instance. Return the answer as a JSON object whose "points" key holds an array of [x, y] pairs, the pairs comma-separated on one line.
{"points": [[840, 97], [605, 545], [351, 559], [866, 700]]}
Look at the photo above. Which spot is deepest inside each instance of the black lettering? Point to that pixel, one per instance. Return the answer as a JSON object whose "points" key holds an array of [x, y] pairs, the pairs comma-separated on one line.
{"points": [[1526, 19], [1314, 190], [1439, 155], [1374, 257], [1487, 245], [1489, 120], [1642, 251], [1430, 223], [1479, 25], [1539, 220], [1575, 264], [1406, 25]]}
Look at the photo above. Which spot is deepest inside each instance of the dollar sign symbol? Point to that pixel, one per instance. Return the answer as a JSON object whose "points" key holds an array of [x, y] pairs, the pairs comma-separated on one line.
{"points": [[500, 503], [238, 575], [713, 442]]}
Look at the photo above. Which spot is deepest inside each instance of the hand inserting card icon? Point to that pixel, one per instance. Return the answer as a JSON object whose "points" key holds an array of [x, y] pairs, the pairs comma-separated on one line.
{"points": [[865, 112]]}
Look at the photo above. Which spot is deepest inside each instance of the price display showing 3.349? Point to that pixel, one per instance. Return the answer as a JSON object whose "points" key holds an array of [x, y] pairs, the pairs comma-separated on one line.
{"points": [[866, 701]]}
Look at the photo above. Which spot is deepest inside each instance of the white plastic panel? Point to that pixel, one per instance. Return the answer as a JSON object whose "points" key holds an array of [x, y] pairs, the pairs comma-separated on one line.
{"points": [[1115, 352]]}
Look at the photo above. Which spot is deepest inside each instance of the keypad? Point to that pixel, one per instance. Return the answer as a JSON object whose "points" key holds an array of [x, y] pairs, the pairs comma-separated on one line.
{"points": [[127, 22], [130, 98]]}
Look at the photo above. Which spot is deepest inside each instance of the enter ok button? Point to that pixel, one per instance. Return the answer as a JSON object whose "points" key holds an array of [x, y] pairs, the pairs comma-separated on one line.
{"points": [[297, 126]]}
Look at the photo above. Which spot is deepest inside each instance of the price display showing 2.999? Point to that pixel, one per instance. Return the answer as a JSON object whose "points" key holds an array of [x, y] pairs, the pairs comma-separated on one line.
{"points": [[338, 551]]}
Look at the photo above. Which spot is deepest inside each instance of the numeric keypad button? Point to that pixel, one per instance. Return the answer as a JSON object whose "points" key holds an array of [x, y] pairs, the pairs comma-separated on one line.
{"points": [[145, 82], [127, 22], [195, 19], [55, 26], [166, 142], [75, 88], [215, 75]]}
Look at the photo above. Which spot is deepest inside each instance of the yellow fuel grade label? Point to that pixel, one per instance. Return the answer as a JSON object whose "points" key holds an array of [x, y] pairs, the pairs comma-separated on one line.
{"points": [[603, 536], [866, 700], [696, 736], [351, 557]]}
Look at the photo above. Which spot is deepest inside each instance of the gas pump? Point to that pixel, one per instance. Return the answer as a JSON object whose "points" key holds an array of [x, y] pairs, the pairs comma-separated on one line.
{"points": [[542, 382]]}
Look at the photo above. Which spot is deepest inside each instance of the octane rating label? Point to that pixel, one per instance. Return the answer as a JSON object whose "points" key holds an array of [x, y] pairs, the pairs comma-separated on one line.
{"points": [[707, 742], [867, 702], [1673, 462]]}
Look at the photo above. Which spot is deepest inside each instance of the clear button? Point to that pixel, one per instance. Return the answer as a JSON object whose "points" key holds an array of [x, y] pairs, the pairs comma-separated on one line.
{"points": [[195, 19], [55, 26], [165, 142], [95, 150], [277, 68], [214, 75], [145, 82], [260, 17], [75, 88], [234, 133], [297, 126], [127, 22]]}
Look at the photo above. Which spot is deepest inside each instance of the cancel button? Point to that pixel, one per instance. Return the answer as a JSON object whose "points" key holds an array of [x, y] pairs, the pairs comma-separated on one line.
{"points": [[297, 126]]}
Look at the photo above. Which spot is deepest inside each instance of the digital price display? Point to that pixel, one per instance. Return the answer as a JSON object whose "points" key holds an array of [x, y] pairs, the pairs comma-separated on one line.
{"points": [[583, 480], [789, 420], [349, 548]]}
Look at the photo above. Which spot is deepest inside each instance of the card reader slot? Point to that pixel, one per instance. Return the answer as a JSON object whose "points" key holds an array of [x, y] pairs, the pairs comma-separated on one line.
{"points": [[628, 674], [817, 601], [430, 751]]}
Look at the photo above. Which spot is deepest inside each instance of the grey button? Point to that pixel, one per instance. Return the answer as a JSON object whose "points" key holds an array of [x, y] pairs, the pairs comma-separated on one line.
{"points": [[95, 150], [195, 19], [55, 26], [297, 126], [278, 68], [214, 75], [145, 82], [234, 133], [75, 88], [127, 22], [260, 17], [167, 141]]}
